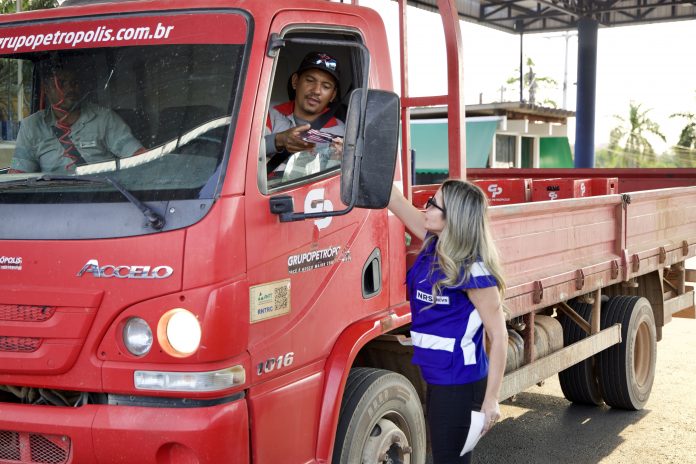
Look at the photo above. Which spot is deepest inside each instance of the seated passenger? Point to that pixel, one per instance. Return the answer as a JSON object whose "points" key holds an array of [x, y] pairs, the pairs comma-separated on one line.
{"points": [[316, 86], [70, 132]]}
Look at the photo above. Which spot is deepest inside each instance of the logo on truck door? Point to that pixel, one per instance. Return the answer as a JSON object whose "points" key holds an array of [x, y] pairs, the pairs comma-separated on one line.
{"points": [[314, 259], [315, 203], [495, 190]]}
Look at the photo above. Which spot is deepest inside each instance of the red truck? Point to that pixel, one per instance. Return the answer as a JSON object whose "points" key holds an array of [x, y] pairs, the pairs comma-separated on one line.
{"points": [[182, 306]]}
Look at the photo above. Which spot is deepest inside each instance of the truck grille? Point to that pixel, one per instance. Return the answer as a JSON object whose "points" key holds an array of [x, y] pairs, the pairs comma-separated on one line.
{"points": [[26, 313], [44, 338], [33, 448], [19, 344], [23, 313]]}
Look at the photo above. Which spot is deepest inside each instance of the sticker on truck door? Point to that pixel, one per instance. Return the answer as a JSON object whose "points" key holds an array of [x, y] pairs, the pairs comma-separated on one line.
{"points": [[270, 300]]}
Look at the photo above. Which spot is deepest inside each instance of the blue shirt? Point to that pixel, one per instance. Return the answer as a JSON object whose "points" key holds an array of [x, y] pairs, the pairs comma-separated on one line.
{"points": [[447, 335]]}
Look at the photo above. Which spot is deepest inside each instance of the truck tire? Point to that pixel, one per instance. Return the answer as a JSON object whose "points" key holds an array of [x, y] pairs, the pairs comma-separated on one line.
{"points": [[627, 370], [579, 382], [381, 420]]}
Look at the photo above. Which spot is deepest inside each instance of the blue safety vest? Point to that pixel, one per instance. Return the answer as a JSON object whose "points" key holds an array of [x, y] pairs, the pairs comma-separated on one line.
{"points": [[447, 334]]}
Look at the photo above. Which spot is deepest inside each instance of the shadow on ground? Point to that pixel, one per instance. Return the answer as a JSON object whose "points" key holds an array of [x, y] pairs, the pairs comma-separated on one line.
{"points": [[548, 429]]}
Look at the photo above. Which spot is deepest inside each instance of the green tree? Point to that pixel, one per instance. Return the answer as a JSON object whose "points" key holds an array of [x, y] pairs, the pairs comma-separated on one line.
{"points": [[685, 149], [630, 138], [10, 6], [531, 83], [9, 87]]}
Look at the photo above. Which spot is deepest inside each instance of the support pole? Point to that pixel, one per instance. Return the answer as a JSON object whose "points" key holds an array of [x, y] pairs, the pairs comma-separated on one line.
{"points": [[521, 63], [587, 90], [406, 163], [456, 136]]}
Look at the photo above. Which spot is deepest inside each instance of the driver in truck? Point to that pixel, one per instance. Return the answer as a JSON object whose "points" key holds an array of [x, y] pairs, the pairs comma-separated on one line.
{"points": [[315, 85], [70, 132]]}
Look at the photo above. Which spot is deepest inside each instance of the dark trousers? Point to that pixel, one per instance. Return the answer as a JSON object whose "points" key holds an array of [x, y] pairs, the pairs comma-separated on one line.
{"points": [[449, 417]]}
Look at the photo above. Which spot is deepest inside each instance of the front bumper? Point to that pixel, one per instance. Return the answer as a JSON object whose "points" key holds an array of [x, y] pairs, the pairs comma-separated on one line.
{"points": [[105, 434]]}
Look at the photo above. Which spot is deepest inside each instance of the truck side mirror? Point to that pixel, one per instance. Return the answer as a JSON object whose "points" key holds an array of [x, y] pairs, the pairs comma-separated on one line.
{"points": [[370, 149]]}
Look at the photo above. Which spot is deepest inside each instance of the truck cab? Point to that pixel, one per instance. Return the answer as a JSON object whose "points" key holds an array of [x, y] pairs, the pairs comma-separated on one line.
{"points": [[178, 303]]}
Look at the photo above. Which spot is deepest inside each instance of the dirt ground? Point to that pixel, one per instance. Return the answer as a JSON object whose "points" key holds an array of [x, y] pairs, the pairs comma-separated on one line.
{"points": [[541, 426]]}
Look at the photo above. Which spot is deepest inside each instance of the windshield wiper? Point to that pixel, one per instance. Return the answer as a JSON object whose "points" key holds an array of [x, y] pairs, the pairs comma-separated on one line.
{"points": [[155, 220]]}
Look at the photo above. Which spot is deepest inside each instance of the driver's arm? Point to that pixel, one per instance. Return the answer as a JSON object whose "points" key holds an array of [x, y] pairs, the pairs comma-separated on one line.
{"points": [[24, 158], [288, 140], [119, 138]]}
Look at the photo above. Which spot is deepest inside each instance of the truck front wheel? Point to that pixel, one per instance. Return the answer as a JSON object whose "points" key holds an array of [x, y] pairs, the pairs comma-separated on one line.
{"points": [[627, 370], [381, 420]]}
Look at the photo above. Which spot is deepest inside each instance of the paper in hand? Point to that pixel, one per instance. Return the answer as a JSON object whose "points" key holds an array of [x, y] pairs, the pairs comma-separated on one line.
{"points": [[477, 420], [315, 136]]}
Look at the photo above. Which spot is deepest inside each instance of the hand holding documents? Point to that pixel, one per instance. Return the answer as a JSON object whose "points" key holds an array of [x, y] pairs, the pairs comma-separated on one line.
{"points": [[315, 136], [477, 420]]}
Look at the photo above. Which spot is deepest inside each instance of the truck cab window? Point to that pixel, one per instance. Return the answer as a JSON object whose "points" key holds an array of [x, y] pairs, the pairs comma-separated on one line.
{"points": [[303, 136], [155, 119]]}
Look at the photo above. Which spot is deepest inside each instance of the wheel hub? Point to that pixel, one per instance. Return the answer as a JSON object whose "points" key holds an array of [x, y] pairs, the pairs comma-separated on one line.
{"points": [[387, 444]]}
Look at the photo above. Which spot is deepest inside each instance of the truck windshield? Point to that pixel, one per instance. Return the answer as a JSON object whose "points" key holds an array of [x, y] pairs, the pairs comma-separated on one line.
{"points": [[155, 118], [101, 114]]}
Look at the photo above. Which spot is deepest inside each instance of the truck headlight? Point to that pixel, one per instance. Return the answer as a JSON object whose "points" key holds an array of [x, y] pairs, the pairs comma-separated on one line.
{"points": [[137, 336], [179, 332]]}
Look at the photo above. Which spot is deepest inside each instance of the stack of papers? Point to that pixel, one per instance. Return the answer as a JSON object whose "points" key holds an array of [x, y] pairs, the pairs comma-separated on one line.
{"points": [[315, 136]]}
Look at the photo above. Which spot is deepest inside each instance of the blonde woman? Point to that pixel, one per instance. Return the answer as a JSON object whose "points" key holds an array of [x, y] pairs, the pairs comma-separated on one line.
{"points": [[455, 289]]}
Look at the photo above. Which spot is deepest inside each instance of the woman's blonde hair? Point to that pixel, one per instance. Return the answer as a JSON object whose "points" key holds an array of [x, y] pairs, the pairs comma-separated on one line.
{"points": [[466, 237]]}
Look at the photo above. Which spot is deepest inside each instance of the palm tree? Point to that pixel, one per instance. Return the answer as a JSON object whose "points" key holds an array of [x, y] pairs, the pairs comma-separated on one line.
{"points": [[531, 83], [8, 67], [630, 137], [685, 150]]}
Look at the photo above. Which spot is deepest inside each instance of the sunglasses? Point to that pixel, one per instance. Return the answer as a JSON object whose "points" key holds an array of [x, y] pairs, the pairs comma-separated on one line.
{"points": [[326, 61], [431, 202]]}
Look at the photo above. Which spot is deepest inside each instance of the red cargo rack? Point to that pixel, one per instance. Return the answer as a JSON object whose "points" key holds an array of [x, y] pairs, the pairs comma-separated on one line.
{"points": [[506, 191], [557, 189]]}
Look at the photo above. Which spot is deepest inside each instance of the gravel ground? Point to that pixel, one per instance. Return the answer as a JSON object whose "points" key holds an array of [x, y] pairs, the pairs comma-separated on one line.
{"points": [[541, 426]]}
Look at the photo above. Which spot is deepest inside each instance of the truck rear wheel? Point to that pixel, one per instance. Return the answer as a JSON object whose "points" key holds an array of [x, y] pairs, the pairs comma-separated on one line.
{"points": [[579, 382], [381, 420], [627, 370]]}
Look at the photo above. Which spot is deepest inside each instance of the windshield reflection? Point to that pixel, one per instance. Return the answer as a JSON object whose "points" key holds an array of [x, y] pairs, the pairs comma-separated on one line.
{"points": [[156, 118]]}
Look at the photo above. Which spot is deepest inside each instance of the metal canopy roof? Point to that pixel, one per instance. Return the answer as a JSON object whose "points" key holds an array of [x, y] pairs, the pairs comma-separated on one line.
{"points": [[528, 16]]}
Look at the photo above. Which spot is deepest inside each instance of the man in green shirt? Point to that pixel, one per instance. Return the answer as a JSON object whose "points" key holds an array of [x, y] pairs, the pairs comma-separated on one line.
{"points": [[69, 132]]}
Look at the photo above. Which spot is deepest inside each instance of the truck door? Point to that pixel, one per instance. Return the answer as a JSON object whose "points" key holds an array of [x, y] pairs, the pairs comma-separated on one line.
{"points": [[309, 279]]}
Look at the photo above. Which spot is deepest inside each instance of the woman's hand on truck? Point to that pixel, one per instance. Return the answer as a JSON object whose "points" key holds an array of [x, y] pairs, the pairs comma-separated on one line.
{"points": [[413, 219]]}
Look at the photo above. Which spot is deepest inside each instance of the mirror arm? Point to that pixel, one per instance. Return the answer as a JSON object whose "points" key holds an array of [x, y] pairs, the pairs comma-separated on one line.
{"points": [[291, 217], [283, 207]]}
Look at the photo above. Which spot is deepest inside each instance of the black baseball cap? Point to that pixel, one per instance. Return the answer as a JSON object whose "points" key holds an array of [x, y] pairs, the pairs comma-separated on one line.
{"points": [[322, 61]]}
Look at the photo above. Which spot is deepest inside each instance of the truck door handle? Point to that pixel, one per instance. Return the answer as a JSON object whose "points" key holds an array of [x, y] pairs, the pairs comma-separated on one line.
{"points": [[372, 275]]}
